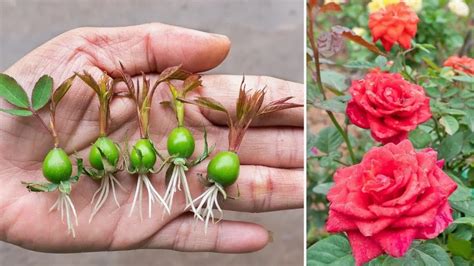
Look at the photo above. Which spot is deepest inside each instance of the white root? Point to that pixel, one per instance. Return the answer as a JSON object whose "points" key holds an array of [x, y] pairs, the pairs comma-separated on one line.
{"points": [[153, 196], [107, 183], [178, 179], [65, 206], [205, 208]]}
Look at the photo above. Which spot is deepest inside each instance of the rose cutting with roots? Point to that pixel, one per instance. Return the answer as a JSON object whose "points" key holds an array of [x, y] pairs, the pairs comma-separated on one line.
{"points": [[181, 144], [104, 156], [57, 167], [223, 169]]}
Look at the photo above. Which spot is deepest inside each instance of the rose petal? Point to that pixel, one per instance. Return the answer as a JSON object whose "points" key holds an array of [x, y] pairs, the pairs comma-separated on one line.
{"points": [[442, 220], [395, 242], [372, 227], [337, 222], [364, 248]]}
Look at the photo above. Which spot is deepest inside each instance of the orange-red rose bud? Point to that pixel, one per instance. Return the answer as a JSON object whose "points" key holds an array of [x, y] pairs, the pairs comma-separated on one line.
{"points": [[396, 23], [463, 64]]}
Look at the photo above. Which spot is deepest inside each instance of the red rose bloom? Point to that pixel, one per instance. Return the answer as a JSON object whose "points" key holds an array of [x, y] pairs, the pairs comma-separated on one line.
{"points": [[388, 105], [396, 23], [395, 195], [464, 64]]}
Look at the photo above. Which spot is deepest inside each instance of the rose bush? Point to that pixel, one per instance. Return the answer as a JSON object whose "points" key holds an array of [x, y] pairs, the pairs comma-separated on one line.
{"points": [[388, 105], [393, 203], [395, 195]]}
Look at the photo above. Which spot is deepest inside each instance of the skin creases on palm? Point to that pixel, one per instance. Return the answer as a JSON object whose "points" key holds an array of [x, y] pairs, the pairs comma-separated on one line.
{"points": [[266, 182], [77, 122]]}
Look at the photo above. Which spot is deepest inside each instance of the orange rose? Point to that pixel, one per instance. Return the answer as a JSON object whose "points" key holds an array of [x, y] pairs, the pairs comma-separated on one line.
{"points": [[464, 64], [396, 23]]}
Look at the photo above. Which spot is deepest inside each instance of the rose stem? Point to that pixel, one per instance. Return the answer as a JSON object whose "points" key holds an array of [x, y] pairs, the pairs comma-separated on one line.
{"points": [[321, 87]]}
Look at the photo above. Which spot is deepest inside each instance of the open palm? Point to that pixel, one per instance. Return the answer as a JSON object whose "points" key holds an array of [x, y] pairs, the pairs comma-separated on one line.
{"points": [[271, 154]]}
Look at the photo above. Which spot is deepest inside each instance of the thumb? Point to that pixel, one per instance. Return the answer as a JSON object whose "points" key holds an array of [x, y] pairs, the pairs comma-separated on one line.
{"points": [[151, 48]]}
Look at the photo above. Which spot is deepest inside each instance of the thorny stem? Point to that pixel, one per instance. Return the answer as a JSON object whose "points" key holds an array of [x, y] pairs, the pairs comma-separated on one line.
{"points": [[43, 123], [103, 120], [319, 83]]}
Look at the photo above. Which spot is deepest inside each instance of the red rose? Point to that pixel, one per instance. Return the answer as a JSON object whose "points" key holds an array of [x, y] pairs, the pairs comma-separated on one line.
{"points": [[396, 23], [395, 195], [387, 104], [464, 64]]}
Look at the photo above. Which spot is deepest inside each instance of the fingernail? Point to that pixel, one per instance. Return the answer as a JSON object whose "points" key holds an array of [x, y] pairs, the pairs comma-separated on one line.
{"points": [[270, 236]]}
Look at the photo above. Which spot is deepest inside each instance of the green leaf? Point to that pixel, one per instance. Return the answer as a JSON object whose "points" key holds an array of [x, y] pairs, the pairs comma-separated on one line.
{"points": [[360, 65], [458, 261], [469, 119], [463, 200], [465, 220], [333, 105], [451, 146], [17, 112], [334, 80], [323, 188], [59, 93], [381, 61], [459, 247], [42, 92], [464, 78], [334, 250], [40, 186], [12, 92], [420, 138], [328, 140], [422, 255], [449, 123]]}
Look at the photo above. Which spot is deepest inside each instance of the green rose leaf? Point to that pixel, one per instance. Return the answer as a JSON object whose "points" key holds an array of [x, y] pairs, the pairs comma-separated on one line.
{"points": [[465, 220], [423, 254], [17, 112], [323, 188], [459, 247], [12, 92], [420, 138], [328, 140], [451, 146], [334, 250], [463, 200], [334, 80], [449, 123], [42, 92]]}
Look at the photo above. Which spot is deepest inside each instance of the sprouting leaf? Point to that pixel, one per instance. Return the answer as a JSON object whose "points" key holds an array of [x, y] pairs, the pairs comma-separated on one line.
{"points": [[278, 105], [12, 92], [59, 93], [40, 186], [17, 112], [207, 151], [42, 92], [208, 103], [191, 82], [333, 250], [90, 81], [449, 123], [174, 72]]}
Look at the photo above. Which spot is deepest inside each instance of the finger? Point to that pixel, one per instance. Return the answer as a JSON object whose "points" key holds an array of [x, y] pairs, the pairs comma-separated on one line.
{"points": [[264, 189], [150, 48], [185, 234], [281, 147], [225, 89]]}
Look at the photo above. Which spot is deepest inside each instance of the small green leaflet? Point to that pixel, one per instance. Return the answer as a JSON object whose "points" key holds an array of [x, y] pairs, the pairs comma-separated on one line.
{"points": [[17, 112], [333, 250], [450, 124], [12, 92], [42, 92]]}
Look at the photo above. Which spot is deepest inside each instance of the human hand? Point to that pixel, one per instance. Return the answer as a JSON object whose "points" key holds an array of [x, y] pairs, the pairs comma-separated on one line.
{"points": [[271, 154]]}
